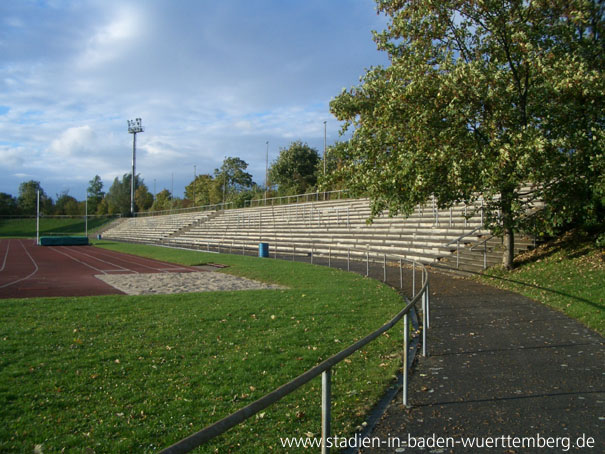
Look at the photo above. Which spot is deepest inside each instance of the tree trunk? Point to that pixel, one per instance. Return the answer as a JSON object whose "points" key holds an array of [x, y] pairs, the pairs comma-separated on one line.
{"points": [[509, 234], [509, 249]]}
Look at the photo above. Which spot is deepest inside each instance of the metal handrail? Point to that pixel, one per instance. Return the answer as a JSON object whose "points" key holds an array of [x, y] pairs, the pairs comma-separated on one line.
{"points": [[464, 235], [295, 196], [483, 242], [202, 208], [324, 368]]}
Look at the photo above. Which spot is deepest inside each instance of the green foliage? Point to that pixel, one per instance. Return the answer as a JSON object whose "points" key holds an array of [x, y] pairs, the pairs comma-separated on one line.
{"points": [[232, 175], [67, 205], [95, 194], [334, 177], [118, 196], [163, 201], [481, 98], [295, 170], [143, 199], [27, 199], [204, 190], [8, 204]]}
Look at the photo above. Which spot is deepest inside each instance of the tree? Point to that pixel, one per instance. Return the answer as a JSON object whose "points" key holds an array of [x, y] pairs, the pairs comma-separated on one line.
{"points": [[94, 193], [163, 201], [482, 98], [295, 169], [333, 179], [232, 175], [67, 205], [8, 204], [118, 196], [203, 191], [143, 199], [27, 199]]}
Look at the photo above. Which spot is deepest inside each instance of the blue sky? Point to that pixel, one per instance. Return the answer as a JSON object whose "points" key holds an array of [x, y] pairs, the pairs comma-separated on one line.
{"points": [[209, 79]]}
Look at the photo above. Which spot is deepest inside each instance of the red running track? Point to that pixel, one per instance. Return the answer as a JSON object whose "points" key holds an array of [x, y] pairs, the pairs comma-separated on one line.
{"points": [[27, 270]]}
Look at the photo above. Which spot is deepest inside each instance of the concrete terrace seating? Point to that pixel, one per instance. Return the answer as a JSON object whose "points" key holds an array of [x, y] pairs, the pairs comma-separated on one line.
{"points": [[152, 229], [338, 228]]}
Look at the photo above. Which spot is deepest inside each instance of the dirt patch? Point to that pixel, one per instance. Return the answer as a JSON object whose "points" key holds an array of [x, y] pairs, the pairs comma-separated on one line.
{"points": [[166, 283]]}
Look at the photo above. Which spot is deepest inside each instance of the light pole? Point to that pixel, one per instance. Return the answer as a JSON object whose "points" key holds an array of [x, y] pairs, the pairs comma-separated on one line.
{"points": [[194, 178], [325, 137], [134, 126], [266, 172], [224, 183]]}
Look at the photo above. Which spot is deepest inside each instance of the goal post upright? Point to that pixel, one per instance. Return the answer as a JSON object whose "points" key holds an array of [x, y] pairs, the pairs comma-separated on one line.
{"points": [[86, 216], [38, 218]]}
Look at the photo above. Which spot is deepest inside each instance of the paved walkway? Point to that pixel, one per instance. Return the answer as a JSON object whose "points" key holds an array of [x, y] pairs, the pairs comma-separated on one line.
{"points": [[500, 366]]}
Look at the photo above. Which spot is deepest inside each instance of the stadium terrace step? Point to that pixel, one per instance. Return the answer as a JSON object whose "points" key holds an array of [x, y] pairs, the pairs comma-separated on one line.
{"points": [[337, 228]]}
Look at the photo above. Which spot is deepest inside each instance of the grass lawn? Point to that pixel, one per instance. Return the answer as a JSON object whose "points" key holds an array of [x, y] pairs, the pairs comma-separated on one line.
{"points": [[567, 274], [26, 227], [114, 374]]}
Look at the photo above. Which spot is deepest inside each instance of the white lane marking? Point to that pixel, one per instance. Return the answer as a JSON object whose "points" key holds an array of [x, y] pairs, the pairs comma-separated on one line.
{"points": [[29, 275], [76, 260], [8, 245], [171, 267], [104, 261]]}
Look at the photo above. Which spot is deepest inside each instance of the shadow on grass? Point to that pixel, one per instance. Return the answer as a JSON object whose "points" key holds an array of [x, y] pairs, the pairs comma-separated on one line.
{"points": [[550, 290], [537, 287], [573, 245]]}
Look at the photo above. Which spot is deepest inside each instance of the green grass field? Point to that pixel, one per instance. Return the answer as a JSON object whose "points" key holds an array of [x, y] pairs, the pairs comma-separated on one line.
{"points": [[26, 227], [567, 274], [115, 374]]}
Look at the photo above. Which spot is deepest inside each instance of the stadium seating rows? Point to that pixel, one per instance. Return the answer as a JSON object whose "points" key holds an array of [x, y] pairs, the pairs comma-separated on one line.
{"points": [[337, 228]]}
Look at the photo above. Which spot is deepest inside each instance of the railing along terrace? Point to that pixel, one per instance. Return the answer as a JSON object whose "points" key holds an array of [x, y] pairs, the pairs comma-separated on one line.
{"points": [[202, 208], [325, 368], [305, 212], [317, 196]]}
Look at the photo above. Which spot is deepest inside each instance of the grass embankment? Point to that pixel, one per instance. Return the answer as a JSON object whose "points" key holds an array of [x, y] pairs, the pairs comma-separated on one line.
{"points": [[115, 374], [567, 274], [26, 227]]}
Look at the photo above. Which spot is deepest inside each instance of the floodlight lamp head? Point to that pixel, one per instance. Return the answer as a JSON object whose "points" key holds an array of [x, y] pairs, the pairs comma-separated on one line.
{"points": [[135, 126]]}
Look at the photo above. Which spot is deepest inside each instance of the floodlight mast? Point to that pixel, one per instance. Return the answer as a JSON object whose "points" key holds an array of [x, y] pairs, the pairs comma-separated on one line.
{"points": [[134, 126]]}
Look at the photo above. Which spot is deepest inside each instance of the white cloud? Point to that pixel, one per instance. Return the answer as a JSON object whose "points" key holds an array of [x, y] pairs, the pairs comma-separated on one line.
{"points": [[11, 157], [111, 39], [75, 142]]}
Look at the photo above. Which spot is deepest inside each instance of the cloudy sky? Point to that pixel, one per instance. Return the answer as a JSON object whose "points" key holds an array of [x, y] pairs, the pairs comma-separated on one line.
{"points": [[209, 79]]}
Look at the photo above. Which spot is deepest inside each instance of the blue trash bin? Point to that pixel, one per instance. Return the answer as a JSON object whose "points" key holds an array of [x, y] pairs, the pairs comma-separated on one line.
{"points": [[263, 249]]}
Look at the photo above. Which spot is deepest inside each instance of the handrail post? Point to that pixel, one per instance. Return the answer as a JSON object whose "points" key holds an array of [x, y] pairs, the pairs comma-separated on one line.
{"points": [[400, 273], [384, 268], [428, 306], [424, 324], [367, 263], [349, 259], [406, 328], [326, 397], [413, 278]]}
